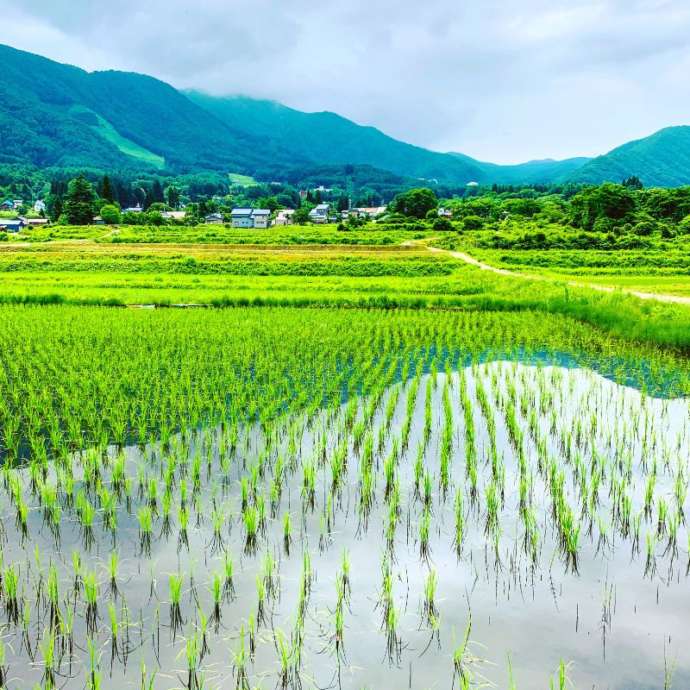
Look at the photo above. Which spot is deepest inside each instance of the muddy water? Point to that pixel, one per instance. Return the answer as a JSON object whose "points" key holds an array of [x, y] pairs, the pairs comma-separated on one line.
{"points": [[615, 626]]}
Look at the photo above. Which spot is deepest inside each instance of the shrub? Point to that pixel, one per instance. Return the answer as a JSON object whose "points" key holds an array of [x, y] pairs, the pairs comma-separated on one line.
{"points": [[472, 223]]}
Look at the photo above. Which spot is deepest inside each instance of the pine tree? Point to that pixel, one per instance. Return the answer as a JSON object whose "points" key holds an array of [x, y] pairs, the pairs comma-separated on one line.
{"points": [[106, 191], [173, 194], [79, 202], [157, 192]]}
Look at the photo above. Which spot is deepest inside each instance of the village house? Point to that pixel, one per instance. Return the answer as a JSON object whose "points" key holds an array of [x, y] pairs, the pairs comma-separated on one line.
{"points": [[261, 217], [250, 217], [7, 205], [369, 212], [284, 217], [35, 222], [174, 215], [241, 218], [319, 214], [133, 209], [214, 219], [444, 212], [11, 224]]}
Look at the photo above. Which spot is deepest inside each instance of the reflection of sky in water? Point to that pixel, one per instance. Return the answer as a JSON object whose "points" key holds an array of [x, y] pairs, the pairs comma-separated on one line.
{"points": [[610, 621]]}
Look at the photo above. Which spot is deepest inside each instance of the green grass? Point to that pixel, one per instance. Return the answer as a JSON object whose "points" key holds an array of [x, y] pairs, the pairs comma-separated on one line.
{"points": [[127, 146], [244, 180], [307, 267]]}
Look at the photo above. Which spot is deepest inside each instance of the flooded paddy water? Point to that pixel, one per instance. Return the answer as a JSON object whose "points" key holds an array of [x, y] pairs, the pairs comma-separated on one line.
{"points": [[506, 525]]}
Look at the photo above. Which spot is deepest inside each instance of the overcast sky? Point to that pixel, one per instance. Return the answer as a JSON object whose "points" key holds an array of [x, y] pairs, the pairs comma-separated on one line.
{"points": [[500, 80]]}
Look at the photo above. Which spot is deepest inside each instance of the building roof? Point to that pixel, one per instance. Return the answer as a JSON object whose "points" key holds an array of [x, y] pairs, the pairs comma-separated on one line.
{"points": [[7, 222], [261, 212], [239, 212]]}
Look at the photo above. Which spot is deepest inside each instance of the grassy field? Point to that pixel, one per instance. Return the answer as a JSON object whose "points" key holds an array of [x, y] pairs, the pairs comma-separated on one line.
{"points": [[321, 266], [659, 271], [201, 493]]}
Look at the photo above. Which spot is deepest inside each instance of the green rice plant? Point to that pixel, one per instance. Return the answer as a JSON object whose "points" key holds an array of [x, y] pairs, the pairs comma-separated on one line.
{"points": [[270, 576], [4, 668], [49, 660], [309, 484], [146, 682], [393, 641], [193, 660], [93, 678], [10, 586], [228, 576], [166, 507], [251, 529], [183, 535], [53, 597], [418, 471], [218, 521], [285, 659], [217, 595], [345, 575], [175, 581], [240, 659], [114, 633], [561, 681], [459, 533], [429, 610], [91, 595], [145, 517], [339, 622], [424, 534], [461, 661], [113, 572]]}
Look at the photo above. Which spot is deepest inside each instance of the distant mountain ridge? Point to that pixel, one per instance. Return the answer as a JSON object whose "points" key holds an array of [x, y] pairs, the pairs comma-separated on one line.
{"points": [[53, 114], [329, 138]]}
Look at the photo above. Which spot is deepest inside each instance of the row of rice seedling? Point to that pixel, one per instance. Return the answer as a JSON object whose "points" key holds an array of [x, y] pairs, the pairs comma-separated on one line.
{"points": [[307, 507]]}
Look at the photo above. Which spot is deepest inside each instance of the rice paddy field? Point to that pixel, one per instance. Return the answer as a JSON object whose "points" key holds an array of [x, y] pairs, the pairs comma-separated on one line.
{"points": [[664, 270], [262, 497], [357, 464]]}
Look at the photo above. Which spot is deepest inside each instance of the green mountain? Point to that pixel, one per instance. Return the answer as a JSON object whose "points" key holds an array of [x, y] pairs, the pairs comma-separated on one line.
{"points": [[660, 160], [332, 139], [57, 115]]}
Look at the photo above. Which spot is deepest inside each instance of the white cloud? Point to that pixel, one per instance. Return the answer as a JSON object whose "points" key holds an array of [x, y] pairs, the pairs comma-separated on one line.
{"points": [[501, 80]]}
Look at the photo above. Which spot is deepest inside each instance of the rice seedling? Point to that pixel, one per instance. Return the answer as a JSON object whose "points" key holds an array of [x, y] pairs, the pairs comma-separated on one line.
{"points": [[251, 529], [424, 534], [48, 660], [554, 463], [145, 517], [193, 661], [228, 576], [4, 668], [429, 609], [93, 678], [10, 588], [239, 662], [91, 596], [175, 581]]}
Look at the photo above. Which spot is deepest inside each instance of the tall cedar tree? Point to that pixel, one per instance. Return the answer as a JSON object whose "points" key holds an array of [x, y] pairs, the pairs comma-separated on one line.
{"points": [[106, 190], [79, 202]]}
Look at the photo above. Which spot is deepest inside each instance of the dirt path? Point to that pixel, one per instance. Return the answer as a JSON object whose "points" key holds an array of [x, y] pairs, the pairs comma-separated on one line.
{"points": [[659, 297]]}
